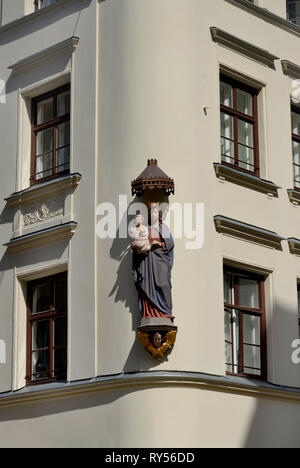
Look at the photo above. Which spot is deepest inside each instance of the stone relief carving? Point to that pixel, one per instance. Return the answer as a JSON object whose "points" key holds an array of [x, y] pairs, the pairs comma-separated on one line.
{"points": [[39, 212]]}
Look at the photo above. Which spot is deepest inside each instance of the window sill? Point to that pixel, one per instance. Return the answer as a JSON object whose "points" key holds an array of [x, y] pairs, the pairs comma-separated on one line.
{"points": [[246, 180], [251, 51], [42, 237], [290, 69], [248, 232], [294, 196], [294, 245], [44, 189]]}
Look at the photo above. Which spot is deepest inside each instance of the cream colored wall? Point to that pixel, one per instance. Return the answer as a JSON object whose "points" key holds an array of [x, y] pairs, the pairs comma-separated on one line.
{"points": [[12, 9], [276, 6], [141, 76], [16, 44], [160, 78], [153, 417]]}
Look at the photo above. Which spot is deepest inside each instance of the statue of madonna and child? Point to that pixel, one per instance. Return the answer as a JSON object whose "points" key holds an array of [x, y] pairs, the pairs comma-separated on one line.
{"points": [[152, 264], [152, 254]]}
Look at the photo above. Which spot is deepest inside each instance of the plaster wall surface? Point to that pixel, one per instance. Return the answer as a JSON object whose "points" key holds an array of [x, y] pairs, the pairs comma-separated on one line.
{"points": [[145, 83]]}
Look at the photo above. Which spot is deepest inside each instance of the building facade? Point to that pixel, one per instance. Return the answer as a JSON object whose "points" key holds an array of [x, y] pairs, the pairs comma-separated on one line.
{"points": [[89, 90]]}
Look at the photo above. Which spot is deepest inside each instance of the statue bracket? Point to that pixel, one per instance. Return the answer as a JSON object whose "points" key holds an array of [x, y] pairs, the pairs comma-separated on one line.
{"points": [[157, 336]]}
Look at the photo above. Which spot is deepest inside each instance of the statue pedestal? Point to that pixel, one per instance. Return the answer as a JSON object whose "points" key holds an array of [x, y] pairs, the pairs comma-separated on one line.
{"points": [[157, 335]]}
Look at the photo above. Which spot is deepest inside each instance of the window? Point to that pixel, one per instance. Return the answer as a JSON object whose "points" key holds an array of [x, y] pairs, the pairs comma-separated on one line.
{"points": [[47, 330], [239, 126], [43, 3], [293, 11], [245, 324], [51, 135], [296, 145]]}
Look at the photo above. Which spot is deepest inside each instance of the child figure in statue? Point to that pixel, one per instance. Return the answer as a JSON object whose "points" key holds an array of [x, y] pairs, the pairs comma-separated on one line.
{"points": [[140, 234]]}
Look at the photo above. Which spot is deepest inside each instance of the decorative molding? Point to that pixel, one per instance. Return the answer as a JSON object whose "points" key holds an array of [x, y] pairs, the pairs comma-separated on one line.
{"points": [[290, 69], [246, 180], [294, 196], [69, 45], [34, 15], [127, 382], [243, 47], [39, 212], [294, 245], [248, 232], [42, 237], [266, 15], [44, 189]]}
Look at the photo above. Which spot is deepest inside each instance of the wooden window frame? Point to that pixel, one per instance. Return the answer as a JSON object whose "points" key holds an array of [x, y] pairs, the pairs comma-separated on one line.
{"points": [[297, 139], [44, 126], [49, 315], [261, 312], [233, 112]]}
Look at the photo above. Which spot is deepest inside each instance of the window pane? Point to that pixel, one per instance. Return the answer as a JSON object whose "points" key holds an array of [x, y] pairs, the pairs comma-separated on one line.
{"points": [[227, 129], [63, 159], [244, 102], [45, 111], [297, 176], [44, 141], [40, 365], [252, 358], [60, 363], [44, 165], [226, 94], [41, 298], [63, 134], [248, 293], [293, 7], [296, 152], [227, 151], [246, 158], [60, 294], [245, 133], [296, 123], [63, 103], [228, 336], [60, 331], [40, 335], [228, 357], [227, 288], [251, 329], [236, 340], [227, 145]]}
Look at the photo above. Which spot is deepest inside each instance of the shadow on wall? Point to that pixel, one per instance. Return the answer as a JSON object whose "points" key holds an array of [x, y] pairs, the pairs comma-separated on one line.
{"points": [[124, 291], [276, 423], [45, 20]]}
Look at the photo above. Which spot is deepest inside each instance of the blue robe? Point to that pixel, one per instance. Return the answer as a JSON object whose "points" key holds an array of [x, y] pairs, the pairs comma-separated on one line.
{"points": [[152, 273]]}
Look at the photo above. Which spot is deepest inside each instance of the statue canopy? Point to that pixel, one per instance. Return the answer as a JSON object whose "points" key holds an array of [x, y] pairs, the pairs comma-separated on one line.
{"points": [[152, 178]]}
